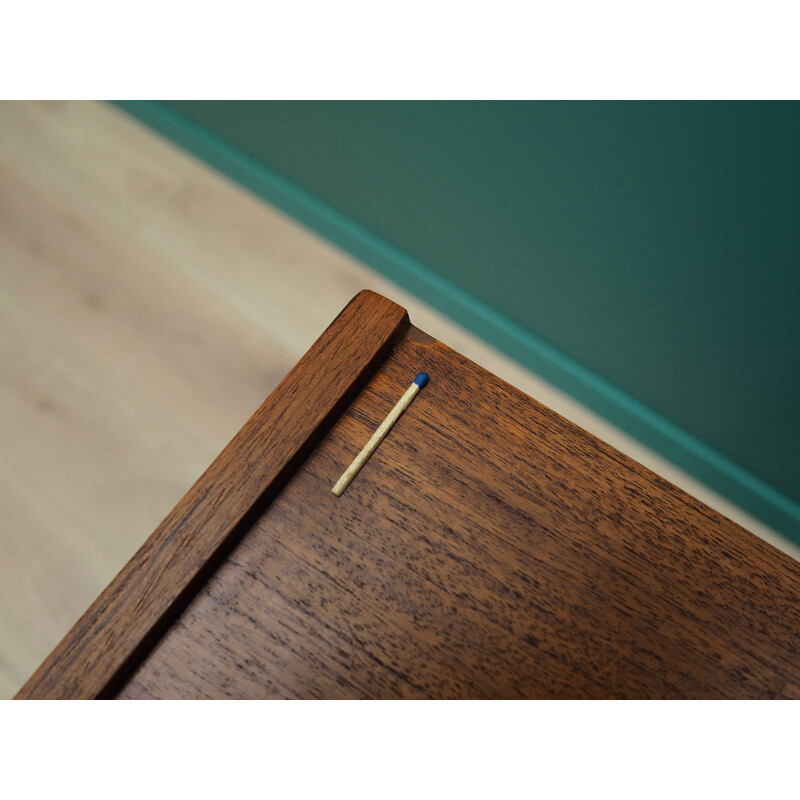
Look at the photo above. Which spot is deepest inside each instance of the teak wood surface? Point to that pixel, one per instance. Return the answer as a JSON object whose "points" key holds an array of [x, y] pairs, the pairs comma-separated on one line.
{"points": [[166, 572], [489, 548]]}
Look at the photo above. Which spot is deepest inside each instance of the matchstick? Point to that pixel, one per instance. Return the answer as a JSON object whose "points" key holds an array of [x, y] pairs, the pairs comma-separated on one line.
{"points": [[377, 437]]}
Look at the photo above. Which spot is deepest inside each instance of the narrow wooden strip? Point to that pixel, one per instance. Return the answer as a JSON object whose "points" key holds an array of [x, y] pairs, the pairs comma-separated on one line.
{"points": [[122, 625]]}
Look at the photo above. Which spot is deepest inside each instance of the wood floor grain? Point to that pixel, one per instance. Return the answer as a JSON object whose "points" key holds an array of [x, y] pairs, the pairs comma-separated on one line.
{"points": [[147, 307]]}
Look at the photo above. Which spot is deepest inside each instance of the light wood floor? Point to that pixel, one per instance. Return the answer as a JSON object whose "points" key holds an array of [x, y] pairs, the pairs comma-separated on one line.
{"points": [[147, 307]]}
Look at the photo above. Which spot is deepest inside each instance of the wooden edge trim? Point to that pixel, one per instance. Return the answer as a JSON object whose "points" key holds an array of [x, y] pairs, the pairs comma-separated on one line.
{"points": [[133, 611]]}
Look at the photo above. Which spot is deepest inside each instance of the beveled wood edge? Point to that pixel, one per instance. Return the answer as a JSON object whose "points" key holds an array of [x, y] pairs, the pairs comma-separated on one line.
{"points": [[132, 613]]}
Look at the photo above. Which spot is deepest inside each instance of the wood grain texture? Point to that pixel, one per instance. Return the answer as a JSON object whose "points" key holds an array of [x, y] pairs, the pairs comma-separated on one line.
{"points": [[147, 306], [489, 549], [169, 568]]}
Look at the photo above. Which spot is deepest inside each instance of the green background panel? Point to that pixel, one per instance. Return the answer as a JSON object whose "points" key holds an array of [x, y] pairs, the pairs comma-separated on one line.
{"points": [[643, 256]]}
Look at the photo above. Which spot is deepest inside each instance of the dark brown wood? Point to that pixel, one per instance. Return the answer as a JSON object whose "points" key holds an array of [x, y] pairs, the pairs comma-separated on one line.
{"points": [[489, 548], [134, 610]]}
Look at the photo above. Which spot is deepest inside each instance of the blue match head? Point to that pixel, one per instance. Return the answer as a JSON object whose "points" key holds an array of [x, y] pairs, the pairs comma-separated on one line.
{"points": [[421, 379]]}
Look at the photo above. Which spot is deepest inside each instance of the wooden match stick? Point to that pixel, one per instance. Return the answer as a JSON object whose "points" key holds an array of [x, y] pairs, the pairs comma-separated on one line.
{"points": [[377, 437]]}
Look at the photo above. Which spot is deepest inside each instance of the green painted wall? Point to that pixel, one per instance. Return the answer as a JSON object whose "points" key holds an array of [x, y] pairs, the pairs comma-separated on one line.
{"points": [[644, 256]]}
